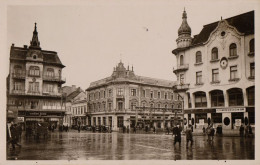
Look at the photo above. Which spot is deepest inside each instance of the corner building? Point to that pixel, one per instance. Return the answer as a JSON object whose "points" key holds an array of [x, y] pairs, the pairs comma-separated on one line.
{"points": [[216, 72], [114, 101], [34, 84]]}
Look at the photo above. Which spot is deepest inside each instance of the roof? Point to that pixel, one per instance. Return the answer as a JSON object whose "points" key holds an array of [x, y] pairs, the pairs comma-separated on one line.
{"points": [[244, 23], [73, 95], [49, 57]]}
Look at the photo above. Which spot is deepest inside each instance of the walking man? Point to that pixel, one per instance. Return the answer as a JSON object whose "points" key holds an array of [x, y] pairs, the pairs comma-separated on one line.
{"points": [[189, 136], [177, 135]]}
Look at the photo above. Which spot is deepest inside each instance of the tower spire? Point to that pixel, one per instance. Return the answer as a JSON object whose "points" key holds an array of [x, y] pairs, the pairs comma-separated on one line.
{"points": [[35, 43]]}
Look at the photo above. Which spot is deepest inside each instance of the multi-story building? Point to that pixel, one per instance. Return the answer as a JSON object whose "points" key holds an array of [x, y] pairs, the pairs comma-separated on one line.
{"points": [[216, 72], [34, 83], [125, 99], [76, 106]]}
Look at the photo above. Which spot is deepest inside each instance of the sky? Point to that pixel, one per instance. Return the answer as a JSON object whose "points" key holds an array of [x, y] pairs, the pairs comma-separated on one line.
{"points": [[91, 37]]}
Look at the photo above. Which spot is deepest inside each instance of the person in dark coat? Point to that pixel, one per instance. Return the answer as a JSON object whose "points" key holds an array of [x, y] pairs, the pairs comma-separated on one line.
{"points": [[250, 130], [189, 136], [241, 130], [20, 131], [78, 128], [154, 130], [14, 136], [177, 135]]}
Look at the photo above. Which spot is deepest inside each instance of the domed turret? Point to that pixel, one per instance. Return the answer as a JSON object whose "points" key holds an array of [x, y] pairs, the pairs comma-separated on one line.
{"points": [[184, 33], [184, 28]]}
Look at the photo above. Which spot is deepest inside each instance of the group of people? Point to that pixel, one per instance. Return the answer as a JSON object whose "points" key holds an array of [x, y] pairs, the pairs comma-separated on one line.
{"points": [[245, 130], [176, 132]]}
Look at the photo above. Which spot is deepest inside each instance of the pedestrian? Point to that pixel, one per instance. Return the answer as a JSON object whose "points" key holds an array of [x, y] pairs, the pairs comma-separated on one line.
{"points": [[154, 130], [20, 131], [168, 130], [204, 130], [52, 127], [78, 128], [123, 129], [189, 136], [14, 135], [208, 132], [212, 133], [127, 129], [246, 131], [241, 130], [134, 129], [250, 132], [177, 135]]}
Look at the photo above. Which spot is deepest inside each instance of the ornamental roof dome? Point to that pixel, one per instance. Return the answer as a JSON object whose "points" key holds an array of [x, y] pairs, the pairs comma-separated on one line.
{"points": [[184, 28]]}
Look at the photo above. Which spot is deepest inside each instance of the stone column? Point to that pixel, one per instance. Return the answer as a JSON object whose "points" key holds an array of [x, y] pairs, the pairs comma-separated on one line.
{"points": [[114, 123], [245, 97], [192, 99], [225, 93], [208, 99]]}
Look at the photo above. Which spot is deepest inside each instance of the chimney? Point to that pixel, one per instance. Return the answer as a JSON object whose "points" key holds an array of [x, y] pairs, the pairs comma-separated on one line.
{"points": [[73, 86], [25, 46], [12, 44]]}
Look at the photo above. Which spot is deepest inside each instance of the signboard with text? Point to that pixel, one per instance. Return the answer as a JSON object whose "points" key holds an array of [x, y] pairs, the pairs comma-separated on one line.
{"points": [[226, 110], [201, 121]]}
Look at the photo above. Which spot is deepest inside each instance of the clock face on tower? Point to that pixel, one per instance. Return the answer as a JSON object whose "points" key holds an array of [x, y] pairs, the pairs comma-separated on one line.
{"points": [[223, 63]]}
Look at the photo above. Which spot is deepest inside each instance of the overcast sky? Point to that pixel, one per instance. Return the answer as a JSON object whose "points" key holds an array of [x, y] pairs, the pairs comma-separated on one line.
{"points": [[92, 38]]}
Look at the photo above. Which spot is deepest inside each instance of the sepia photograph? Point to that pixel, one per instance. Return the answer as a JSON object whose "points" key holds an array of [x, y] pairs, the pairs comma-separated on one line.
{"points": [[89, 81]]}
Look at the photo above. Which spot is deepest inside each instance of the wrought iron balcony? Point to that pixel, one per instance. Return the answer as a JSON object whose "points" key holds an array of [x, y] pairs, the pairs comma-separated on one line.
{"points": [[56, 78], [20, 75], [18, 92], [44, 93], [181, 68]]}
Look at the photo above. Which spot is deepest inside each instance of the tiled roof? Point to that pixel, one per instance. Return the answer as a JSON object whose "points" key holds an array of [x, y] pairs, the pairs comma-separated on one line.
{"points": [[244, 23]]}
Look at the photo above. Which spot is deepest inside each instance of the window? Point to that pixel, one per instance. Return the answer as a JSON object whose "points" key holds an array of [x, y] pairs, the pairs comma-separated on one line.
{"points": [[17, 69], [233, 72], [159, 95], [49, 88], [17, 86], [252, 46], [198, 57], [110, 93], [144, 104], [133, 92], [166, 95], [133, 105], [159, 105], [34, 104], [104, 94], [199, 77], [252, 69], [215, 75], [120, 91], [181, 78], [151, 94], [109, 106], [217, 98], [233, 50], [200, 99], [235, 97], [181, 60], [120, 121], [166, 106], [214, 54], [251, 95], [50, 72], [120, 106], [34, 71], [34, 87], [143, 93]]}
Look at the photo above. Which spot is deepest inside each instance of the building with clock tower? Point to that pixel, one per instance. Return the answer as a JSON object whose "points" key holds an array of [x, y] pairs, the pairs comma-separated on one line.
{"points": [[34, 84], [216, 72]]}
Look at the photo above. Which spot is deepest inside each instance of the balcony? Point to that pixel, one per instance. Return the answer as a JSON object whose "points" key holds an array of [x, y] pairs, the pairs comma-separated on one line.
{"points": [[181, 87], [54, 78], [35, 93], [179, 68], [46, 107], [18, 92], [52, 94], [19, 75]]}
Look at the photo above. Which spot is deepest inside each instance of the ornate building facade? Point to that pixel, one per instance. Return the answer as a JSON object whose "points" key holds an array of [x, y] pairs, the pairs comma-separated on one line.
{"points": [[125, 99], [34, 84], [216, 72]]}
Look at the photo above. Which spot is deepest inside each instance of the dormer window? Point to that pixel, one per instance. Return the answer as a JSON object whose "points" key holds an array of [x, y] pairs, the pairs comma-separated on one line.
{"points": [[233, 50], [214, 54], [198, 57]]}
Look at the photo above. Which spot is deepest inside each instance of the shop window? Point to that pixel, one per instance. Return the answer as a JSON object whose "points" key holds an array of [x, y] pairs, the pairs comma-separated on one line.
{"points": [[200, 116], [251, 95], [217, 98], [214, 54], [233, 50], [198, 57], [200, 99], [251, 117], [235, 97], [216, 117], [120, 121]]}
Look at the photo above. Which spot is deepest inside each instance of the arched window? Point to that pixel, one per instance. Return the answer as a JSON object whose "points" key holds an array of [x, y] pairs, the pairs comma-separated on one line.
{"points": [[233, 50], [200, 99], [217, 98], [235, 97], [34, 71], [252, 46], [50, 72], [181, 60], [198, 57], [214, 54]]}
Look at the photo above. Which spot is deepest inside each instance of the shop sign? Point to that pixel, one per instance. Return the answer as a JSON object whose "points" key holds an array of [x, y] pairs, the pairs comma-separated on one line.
{"points": [[20, 119], [225, 110], [201, 121], [238, 122]]}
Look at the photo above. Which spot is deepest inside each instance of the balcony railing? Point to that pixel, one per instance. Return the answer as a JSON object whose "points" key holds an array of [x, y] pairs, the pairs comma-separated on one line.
{"points": [[19, 92], [54, 78], [181, 68], [182, 87], [45, 107], [51, 94], [34, 93], [19, 75]]}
